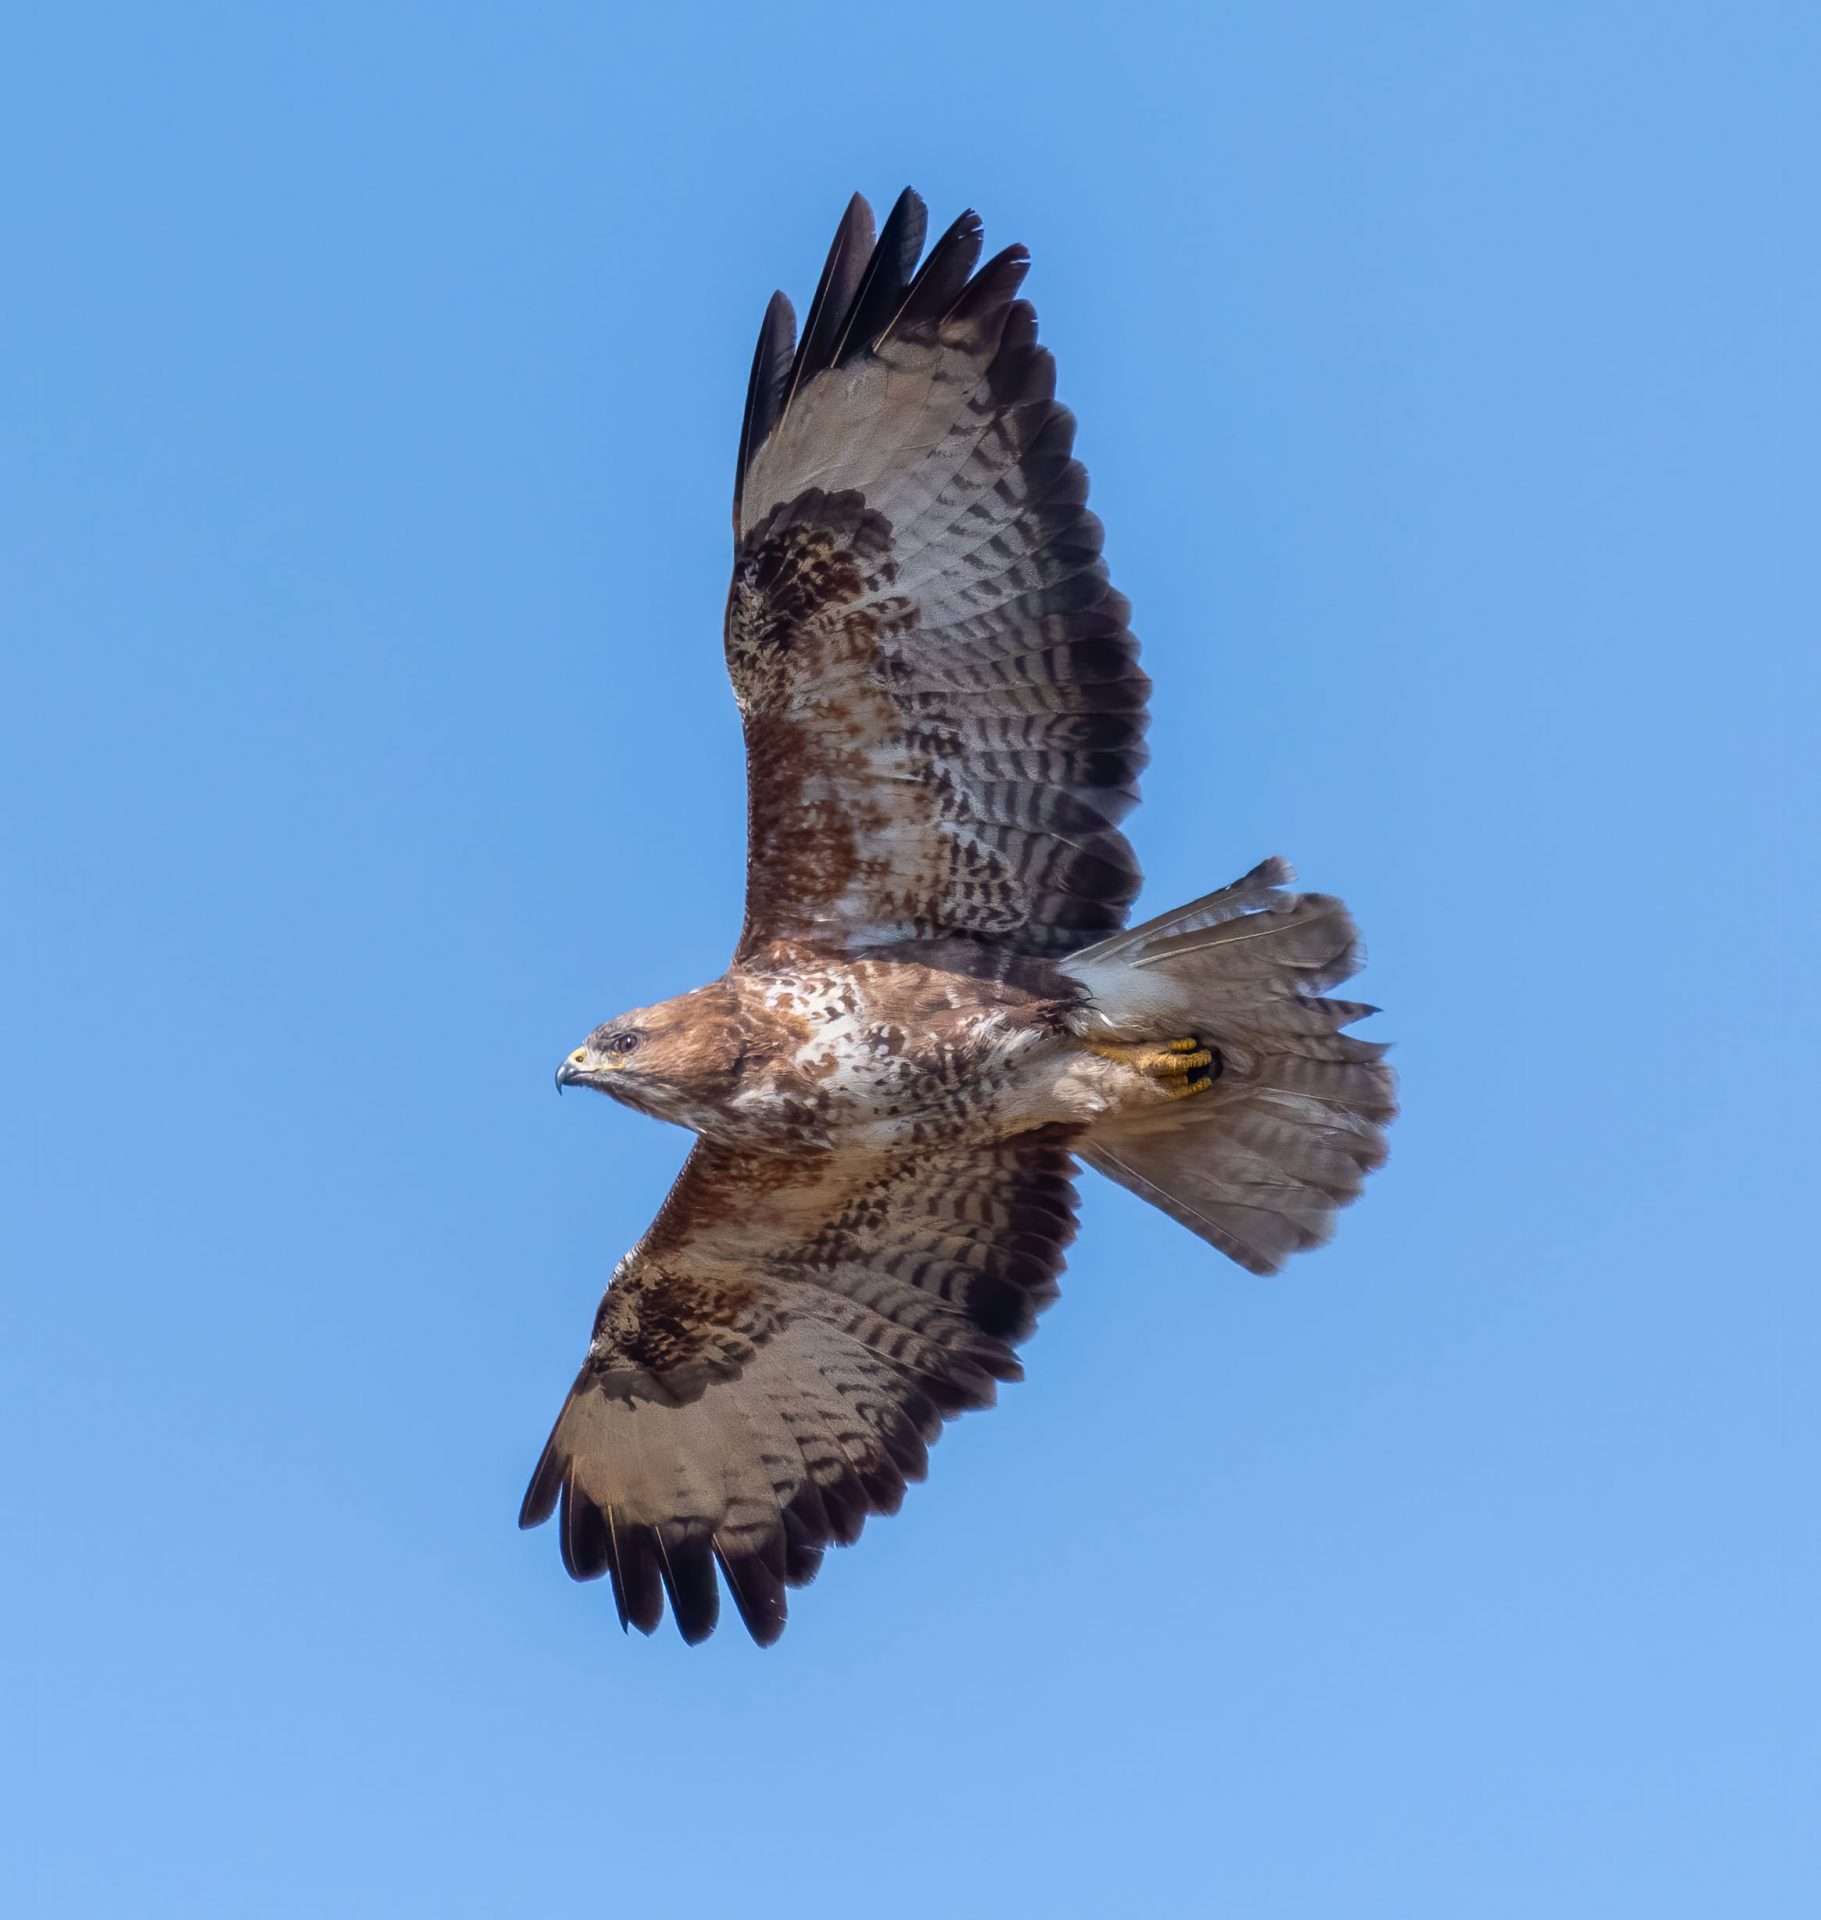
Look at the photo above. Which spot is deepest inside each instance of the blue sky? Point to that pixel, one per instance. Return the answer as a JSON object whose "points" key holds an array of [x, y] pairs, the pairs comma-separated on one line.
{"points": [[367, 415]]}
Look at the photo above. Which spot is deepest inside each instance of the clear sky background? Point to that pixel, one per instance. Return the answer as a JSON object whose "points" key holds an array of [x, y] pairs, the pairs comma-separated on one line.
{"points": [[368, 397]]}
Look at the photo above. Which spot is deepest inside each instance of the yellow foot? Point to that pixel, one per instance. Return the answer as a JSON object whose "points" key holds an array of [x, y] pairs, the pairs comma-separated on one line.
{"points": [[1174, 1062]]}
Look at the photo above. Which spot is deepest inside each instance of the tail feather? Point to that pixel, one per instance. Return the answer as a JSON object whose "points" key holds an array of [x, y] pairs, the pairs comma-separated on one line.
{"points": [[1258, 1165], [1246, 895]]}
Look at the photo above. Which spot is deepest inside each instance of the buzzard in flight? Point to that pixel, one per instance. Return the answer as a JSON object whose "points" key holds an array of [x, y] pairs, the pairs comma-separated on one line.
{"points": [[935, 1008]]}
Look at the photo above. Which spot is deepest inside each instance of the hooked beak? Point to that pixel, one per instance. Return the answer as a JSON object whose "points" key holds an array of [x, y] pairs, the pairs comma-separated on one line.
{"points": [[571, 1071]]}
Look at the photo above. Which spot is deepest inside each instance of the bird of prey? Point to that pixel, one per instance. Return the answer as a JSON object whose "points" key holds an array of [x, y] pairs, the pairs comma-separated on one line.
{"points": [[935, 1009]]}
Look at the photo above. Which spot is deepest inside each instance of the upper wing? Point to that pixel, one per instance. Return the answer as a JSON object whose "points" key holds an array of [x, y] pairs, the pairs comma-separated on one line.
{"points": [[943, 707], [773, 1358]]}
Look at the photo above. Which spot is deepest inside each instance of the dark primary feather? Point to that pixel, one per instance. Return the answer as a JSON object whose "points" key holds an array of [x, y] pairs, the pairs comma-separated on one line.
{"points": [[938, 282], [943, 706], [771, 360], [772, 1363], [842, 273], [881, 289]]}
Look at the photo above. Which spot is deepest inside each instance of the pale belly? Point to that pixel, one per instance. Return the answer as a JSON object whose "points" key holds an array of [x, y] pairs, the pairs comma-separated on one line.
{"points": [[882, 1070]]}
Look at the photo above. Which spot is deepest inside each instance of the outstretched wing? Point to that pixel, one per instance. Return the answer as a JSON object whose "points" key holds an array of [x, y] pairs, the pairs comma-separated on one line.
{"points": [[772, 1361], [943, 706]]}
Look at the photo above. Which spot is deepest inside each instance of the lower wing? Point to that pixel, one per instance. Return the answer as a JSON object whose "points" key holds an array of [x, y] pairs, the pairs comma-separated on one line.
{"points": [[772, 1361]]}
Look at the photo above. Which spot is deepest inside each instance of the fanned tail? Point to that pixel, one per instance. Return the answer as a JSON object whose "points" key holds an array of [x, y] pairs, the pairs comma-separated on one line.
{"points": [[1258, 1165]]}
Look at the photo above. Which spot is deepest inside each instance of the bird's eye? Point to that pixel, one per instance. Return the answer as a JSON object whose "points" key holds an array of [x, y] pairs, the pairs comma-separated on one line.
{"points": [[624, 1042]]}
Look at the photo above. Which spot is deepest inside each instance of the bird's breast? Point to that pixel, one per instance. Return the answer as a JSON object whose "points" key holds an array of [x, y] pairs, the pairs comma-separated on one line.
{"points": [[874, 1057]]}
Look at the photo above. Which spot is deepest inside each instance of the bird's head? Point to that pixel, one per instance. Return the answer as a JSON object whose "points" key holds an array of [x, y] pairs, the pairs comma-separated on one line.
{"points": [[663, 1059]]}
